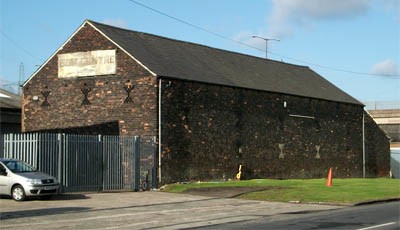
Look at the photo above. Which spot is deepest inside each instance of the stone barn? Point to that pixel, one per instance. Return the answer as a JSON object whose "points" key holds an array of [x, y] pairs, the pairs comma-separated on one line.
{"points": [[211, 109]]}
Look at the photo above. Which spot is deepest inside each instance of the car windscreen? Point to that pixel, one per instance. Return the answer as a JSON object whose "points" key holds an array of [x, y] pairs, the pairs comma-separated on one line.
{"points": [[19, 166]]}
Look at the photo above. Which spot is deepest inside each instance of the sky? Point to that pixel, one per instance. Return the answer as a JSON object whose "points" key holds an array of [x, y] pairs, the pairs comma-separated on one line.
{"points": [[355, 44]]}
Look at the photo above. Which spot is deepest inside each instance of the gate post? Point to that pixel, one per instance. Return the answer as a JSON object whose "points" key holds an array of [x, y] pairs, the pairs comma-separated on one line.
{"points": [[60, 161], [101, 150], [2, 136], [136, 165]]}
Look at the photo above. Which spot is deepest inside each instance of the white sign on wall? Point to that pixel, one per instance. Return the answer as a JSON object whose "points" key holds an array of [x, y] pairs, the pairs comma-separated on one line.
{"points": [[91, 63]]}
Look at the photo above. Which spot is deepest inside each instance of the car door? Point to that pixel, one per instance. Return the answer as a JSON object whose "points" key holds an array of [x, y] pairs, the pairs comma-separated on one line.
{"points": [[5, 180]]}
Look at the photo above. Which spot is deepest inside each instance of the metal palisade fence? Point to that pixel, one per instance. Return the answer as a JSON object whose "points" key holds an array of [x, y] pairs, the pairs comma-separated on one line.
{"points": [[88, 162]]}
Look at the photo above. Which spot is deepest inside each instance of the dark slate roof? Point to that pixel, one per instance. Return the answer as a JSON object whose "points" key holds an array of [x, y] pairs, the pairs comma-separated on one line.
{"points": [[188, 61]]}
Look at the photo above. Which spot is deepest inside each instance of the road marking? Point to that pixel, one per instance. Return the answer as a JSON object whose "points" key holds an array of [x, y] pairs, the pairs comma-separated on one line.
{"points": [[377, 226], [126, 226]]}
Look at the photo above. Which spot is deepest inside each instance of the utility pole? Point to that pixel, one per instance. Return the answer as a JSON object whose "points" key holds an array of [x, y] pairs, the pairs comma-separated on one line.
{"points": [[21, 77], [266, 43]]}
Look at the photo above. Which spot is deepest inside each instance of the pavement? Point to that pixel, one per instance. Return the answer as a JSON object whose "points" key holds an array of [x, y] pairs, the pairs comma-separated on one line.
{"points": [[141, 210]]}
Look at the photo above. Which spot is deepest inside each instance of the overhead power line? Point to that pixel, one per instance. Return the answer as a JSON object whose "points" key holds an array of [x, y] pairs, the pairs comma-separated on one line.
{"points": [[256, 48], [194, 26], [17, 45], [336, 69]]}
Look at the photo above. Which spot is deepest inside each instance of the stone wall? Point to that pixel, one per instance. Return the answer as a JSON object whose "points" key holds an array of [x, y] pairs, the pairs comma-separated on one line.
{"points": [[209, 130], [377, 149], [66, 107]]}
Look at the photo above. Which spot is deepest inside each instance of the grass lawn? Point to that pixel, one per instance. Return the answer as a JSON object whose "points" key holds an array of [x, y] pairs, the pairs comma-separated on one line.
{"points": [[307, 190]]}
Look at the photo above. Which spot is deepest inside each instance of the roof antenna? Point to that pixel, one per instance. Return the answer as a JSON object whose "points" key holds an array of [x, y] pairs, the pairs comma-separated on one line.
{"points": [[266, 43]]}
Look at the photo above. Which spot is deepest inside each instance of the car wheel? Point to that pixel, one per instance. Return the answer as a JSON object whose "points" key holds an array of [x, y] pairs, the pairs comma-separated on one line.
{"points": [[18, 193]]}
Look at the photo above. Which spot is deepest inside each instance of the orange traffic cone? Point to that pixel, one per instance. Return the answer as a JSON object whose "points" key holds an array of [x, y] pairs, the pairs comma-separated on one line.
{"points": [[329, 182]]}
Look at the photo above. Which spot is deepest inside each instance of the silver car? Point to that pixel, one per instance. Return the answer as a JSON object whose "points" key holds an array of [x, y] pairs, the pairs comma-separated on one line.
{"points": [[21, 180]]}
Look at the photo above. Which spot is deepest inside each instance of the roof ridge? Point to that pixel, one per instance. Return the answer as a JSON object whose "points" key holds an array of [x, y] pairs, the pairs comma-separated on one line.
{"points": [[196, 44]]}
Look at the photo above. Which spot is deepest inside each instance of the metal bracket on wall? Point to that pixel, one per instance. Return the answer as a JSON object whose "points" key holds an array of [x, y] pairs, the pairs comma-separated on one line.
{"points": [[45, 95], [128, 89], [85, 90], [302, 116], [281, 147], [318, 147]]}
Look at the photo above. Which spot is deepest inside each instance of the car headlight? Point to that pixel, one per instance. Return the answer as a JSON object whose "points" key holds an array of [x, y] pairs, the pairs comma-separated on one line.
{"points": [[34, 181]]}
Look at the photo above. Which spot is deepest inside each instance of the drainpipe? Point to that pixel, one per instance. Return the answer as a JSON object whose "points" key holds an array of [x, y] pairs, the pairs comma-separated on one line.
{"points": [[363, 142], [159, 129]]}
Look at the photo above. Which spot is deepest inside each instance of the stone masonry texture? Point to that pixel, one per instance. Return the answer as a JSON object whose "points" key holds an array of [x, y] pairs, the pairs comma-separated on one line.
{"points": [[209, 130]]}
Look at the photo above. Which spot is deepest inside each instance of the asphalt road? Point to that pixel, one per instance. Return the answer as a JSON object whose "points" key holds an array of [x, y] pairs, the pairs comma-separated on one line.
{"points": [[140, 210], [382, 216]]}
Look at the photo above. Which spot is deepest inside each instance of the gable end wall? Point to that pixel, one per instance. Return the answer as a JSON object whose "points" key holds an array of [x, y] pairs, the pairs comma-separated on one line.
{"points": [[107, 95]]}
